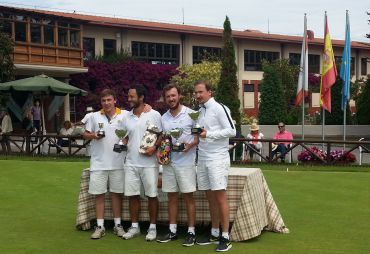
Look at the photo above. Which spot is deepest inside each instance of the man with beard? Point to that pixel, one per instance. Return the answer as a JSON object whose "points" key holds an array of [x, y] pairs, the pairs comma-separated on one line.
{"points": [[214, 162], [180, 175], [106, 167], [140, 169]]}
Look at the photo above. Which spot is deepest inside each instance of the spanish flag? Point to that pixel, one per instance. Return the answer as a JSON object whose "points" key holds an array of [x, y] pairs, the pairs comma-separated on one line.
{"points": [[329, 70]]}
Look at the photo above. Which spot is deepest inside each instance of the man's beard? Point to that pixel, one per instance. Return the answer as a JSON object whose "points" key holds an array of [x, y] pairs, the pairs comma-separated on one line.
{"points": [[175, 106]]}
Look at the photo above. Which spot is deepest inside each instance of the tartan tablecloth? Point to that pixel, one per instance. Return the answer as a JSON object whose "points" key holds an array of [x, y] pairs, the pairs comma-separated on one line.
{"points": [[252, 207]]}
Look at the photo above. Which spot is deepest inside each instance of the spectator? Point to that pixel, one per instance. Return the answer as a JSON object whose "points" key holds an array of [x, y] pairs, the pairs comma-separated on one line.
{"points": [[6, 127], [36, 116], [66, 130], [253, 144], [282, 147]]}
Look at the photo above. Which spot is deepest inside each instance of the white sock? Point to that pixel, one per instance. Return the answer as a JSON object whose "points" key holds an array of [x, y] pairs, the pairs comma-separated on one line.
{"points": [[191, 230], [100, 222], [153, 226], [225, 235], [215, 232], [173, 228], [135, 224], [117, 221]]}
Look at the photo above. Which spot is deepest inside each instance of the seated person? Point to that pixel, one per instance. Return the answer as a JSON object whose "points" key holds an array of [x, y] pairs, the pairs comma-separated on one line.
{"points": [[254, 134], [282, 146], [66, 130]]}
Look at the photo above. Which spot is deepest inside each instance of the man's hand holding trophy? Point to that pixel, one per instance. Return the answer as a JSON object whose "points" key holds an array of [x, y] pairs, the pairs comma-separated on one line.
{"points": [[196, 129], [176, 134], [101, 133]]}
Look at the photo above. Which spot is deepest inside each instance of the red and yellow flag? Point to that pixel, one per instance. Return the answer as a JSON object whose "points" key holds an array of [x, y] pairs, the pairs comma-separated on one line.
{"points": [[329, 70]]}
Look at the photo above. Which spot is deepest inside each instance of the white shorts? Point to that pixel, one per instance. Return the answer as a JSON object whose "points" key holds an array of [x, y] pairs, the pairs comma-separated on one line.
{"points": [[179, 179], [100, 180], [135, 177], [213, 175]]}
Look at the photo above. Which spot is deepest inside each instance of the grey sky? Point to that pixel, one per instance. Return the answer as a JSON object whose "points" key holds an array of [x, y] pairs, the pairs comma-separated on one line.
{"points": [[285, 16]]}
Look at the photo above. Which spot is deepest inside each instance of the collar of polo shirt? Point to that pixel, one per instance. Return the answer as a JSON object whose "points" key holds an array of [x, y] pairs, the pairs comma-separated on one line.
{"points": [[117, 111]]}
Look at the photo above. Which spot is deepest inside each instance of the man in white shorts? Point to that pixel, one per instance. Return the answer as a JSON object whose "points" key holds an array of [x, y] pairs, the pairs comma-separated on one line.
{"points": [[140, 169], [180, 174], [106, 166], [214, 162]]}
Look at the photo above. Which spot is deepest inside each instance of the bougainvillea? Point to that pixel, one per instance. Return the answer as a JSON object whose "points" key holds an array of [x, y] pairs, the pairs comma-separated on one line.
{"points": [[120, 77], [337, 155]]}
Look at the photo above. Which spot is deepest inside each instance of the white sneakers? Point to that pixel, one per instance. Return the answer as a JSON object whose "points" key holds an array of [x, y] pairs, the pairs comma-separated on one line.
{"points": [[131, 233], [152, 234]]}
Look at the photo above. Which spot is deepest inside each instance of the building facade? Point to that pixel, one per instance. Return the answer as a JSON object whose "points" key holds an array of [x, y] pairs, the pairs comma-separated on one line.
{"points": [[57, 43]]}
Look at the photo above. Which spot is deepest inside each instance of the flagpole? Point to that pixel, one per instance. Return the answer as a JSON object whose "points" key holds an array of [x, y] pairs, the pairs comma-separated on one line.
{"points": [[322, 127], [344, 126]]}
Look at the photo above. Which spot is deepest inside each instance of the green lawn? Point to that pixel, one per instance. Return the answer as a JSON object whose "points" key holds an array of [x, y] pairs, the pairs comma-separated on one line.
{"points": [[327, 210]]}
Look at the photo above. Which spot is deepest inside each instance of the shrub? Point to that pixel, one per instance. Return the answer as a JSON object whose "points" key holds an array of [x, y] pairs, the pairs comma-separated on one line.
{"points": [[337, 155]]}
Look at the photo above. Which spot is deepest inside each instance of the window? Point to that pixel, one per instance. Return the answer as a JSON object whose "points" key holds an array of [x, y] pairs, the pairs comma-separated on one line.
{"points": [[200, 53], [20, 31], [338, 62], [62, 37], [74, 36], [156, 53], [109, 47], [313, 61], [253, 59], [35, 33], [248, 88], [48, 35], [6, 27], [89, 48], [363, 66]]}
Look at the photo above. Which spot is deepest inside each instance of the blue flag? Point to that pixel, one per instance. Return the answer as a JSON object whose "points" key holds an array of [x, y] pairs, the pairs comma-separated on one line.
{"points": [[345, 69]]}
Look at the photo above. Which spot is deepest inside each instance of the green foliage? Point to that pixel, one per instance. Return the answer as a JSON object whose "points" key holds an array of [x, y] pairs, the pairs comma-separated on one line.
{"points": [[363, 104], [189, 74], [228, 89], [6, 60], [336, 115], [273, 107]]}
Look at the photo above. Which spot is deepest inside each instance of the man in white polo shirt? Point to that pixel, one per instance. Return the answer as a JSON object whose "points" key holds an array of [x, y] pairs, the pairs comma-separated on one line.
{"points": [[106, 166], [214, 162], [140, 169], [180, 174]]}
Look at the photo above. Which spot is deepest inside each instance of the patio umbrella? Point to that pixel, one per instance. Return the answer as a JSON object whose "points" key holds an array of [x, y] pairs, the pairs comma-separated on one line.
{"points": [[42, 84]]}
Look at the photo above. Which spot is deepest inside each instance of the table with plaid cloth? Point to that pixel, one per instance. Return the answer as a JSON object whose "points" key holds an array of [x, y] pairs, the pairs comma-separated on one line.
{"points": [[252, 207]]}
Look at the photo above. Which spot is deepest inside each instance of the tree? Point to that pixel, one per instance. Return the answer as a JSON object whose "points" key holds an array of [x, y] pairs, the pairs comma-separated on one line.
{"points": [[189, 74], [273, 105], [227, 91], [363, 104], [6, 60]]}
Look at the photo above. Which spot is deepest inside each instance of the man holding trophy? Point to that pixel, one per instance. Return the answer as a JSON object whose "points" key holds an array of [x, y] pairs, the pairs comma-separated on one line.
{"points": [[180, 174], [141, 166], [214, 162], [106, 167]]}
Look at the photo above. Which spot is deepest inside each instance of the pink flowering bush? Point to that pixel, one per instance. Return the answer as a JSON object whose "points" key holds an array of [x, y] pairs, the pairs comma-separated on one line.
{"points": [[120, 77], [337, 155]]}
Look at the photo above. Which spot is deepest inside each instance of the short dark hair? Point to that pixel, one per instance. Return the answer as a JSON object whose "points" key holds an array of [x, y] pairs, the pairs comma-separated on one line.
{"points": [[108, 92], [169, 87], [205, 83], [140, 90]]}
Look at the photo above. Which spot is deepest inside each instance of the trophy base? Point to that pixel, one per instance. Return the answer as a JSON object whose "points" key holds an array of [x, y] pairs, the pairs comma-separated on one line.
{"points": [[119, 148], [178, 148], [101, 134], [196, 130]]}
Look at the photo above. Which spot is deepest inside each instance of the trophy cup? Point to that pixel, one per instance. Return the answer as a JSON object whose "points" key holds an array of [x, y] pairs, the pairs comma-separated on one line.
{"points": [[150, 137], [101, 132], [120, 146], [196, 129], [177, 147]]}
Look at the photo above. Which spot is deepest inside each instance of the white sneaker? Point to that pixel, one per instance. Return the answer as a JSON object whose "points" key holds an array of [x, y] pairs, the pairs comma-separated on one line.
{"points": [[99, 232], [118, 230], [131, 233], [152, 234]]}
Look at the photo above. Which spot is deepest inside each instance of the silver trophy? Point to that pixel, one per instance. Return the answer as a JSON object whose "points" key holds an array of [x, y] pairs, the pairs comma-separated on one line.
{"points": [[196, 129], [177, 147], [120, 146], [101, 132], [150, 137]]}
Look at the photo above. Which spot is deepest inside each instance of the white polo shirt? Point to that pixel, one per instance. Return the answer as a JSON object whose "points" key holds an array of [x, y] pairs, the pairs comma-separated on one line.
{"points": [[102, 155], [219, 129], [181, 121], [86, 117], [136, 127]]}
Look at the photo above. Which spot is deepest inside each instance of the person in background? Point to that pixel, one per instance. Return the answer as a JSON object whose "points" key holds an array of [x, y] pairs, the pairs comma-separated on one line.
{"points": [[6, 128], [36, 116], [254, 134], [66, 130], [282, 146]]}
